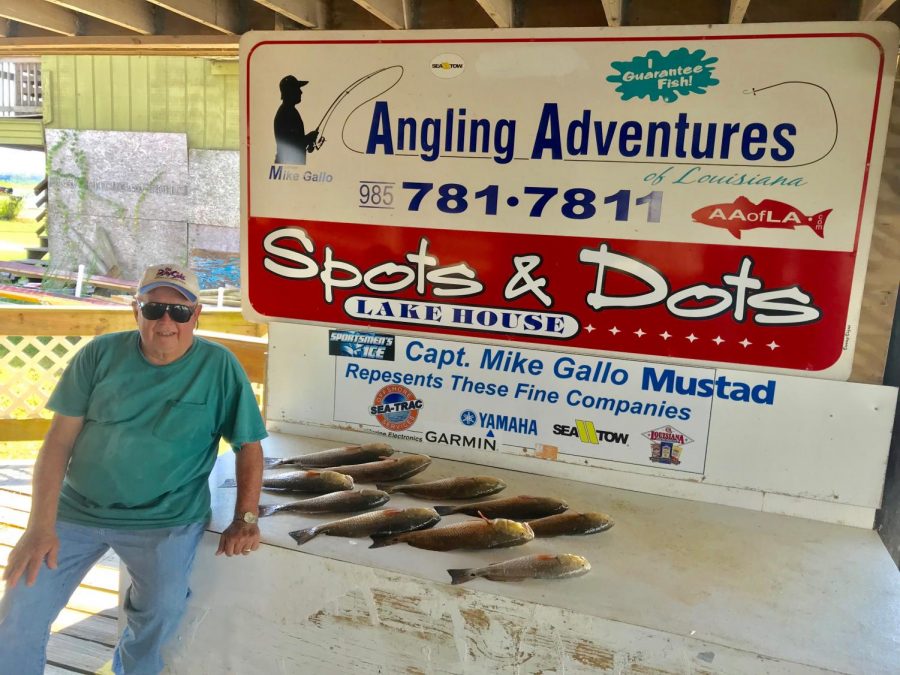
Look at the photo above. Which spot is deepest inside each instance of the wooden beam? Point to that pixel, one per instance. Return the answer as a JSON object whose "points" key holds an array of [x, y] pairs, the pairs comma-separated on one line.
{"points": [[24, 430], [500, 11], [308, 13], [389, 11], [869, 10], [134, 45], [135, 15], [613, 11], [69, 320], [222, 15], [737, 11], [41, 14]]}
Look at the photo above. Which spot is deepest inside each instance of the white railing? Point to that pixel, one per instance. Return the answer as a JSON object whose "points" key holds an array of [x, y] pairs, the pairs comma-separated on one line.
{"points": [[20, 88]]}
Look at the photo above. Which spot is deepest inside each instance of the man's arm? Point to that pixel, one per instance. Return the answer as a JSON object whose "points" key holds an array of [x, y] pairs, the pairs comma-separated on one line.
{"points": [[241, 537], [39, 542]]}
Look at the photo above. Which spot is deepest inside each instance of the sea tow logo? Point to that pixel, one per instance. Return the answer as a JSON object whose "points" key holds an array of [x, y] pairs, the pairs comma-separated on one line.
{"points": [[169, 273], [588, 433], [678, 73], [396, 407], [461, 440], [494, 422], [742, 214], [446, 66], [667, 444], [361, 345]]}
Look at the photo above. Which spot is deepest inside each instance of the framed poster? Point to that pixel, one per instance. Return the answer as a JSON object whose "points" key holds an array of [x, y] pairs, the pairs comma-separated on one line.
{"points": [[697, 195]]}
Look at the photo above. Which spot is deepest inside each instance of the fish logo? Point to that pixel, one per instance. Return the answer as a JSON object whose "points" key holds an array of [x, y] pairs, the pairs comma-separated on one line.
{"points": [[742, 214]]}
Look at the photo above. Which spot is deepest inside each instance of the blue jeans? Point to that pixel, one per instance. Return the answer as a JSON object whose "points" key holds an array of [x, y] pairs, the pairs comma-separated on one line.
{"points": [[159, 562]]}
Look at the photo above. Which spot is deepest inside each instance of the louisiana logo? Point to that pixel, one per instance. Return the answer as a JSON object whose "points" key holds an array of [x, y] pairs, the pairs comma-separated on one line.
{"points": [[396, 407], [667, 444]]}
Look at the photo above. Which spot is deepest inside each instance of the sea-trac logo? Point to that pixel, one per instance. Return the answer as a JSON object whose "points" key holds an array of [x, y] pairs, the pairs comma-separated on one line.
{"points": [[395, 407]]}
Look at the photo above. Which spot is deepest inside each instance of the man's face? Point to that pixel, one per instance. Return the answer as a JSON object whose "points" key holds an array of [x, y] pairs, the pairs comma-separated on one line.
{"points": [[164, 338]]}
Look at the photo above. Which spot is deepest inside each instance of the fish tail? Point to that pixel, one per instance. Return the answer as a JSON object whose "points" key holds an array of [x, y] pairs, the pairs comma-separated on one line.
{"points": [[384, 487], [303, 536], [461, 576], [271, 462], [379, 541], [268, 509], [817, 222], [228, 483], [445, 510]]}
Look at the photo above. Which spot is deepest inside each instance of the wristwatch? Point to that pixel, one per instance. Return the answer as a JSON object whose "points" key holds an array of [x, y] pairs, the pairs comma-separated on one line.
{"points": [[247, 517]]}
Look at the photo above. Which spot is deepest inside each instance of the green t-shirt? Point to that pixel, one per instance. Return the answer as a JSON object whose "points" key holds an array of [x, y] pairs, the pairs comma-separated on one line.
{"points": [[151, 433]]}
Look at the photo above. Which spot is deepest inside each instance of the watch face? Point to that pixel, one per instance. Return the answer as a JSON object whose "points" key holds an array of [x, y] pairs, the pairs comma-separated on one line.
{"points": [[249, 518]]}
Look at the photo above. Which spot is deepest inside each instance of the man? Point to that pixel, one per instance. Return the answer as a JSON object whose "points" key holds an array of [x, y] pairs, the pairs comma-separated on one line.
{"points": [[138, 418], [291, 140]]}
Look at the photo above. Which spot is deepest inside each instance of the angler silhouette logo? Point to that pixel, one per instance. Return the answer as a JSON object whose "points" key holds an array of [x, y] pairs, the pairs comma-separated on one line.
{"points": [[293, 143]]}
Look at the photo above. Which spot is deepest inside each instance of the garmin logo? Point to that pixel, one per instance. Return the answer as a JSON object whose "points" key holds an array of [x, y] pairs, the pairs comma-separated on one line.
{"points": [[461, 440]]}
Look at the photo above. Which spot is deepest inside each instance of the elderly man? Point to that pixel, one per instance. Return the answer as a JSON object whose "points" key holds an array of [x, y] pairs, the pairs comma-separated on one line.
{"points": [[138, 418]]}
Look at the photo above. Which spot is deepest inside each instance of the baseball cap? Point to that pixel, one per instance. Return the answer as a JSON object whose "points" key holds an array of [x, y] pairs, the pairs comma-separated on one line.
{"points": [[289, 82], [172, 275]]}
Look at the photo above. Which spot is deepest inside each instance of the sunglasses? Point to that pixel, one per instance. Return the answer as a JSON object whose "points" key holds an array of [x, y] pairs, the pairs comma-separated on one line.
{"points": [[153, 311]]}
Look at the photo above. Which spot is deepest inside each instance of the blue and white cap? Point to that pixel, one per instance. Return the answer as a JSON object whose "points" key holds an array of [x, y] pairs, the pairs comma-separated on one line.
{"points": [[172, 275]]}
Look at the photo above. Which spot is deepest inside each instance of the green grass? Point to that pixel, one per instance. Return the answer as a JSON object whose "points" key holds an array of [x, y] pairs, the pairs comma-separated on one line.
{"points": [[15, 236]]}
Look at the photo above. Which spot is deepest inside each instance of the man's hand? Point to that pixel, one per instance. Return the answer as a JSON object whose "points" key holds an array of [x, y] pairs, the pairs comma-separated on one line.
{"points": [[26, 558], [239, 537]]}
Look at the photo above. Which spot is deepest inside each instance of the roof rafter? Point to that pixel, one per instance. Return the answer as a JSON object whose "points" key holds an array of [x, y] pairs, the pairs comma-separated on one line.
{"points": [[392, 12], [613, 11], [869, 10], [306, 12], [501, 11], [181, 45], [223, 15], [737, 11], [41, 14], [135, 15]]}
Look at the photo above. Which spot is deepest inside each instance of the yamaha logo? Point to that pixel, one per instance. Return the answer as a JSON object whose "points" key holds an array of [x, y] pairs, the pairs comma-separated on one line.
{"points": [[446, 66]]}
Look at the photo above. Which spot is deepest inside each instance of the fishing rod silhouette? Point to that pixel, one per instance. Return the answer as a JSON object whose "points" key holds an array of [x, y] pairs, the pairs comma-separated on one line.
{"points": [[326, 118]]}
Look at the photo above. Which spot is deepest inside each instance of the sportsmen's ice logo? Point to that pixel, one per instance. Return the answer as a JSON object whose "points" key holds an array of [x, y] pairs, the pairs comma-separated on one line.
{"points": [[396, 407], [667, 444]]}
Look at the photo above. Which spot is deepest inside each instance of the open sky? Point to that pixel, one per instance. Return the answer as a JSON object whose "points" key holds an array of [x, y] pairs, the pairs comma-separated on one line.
{"points": [[22, 162]]}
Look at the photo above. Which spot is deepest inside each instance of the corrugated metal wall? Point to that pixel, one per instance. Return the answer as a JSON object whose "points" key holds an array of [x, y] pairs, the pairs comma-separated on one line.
{"points": [[196, 96]]}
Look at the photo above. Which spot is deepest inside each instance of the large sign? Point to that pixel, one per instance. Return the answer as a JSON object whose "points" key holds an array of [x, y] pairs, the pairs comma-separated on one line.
{"points": [[689, 194]]}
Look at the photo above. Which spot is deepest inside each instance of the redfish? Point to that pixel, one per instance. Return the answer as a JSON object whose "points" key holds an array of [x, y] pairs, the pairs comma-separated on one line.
{"points": [[742, 214]]}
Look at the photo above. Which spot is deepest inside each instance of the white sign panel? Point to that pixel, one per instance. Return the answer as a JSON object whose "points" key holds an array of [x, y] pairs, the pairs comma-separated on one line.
{"points": [[484, 397]]}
